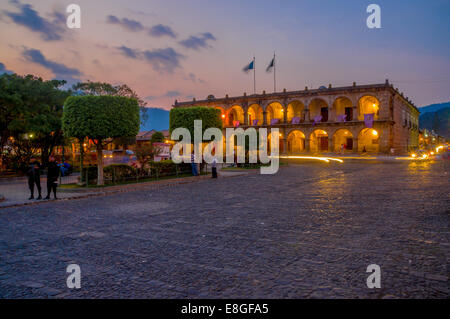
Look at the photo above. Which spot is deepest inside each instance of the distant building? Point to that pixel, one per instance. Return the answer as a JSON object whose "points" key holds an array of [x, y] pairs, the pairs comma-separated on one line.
{"points": [[146, 136], [365, 118]]}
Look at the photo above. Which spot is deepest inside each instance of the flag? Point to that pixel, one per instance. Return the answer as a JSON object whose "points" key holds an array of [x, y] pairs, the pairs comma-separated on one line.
{"points": [[249, 67], [271, 65]]}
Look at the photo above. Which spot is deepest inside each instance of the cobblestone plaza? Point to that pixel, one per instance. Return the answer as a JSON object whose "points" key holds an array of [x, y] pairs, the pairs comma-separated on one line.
{"points": [[310, 231]]}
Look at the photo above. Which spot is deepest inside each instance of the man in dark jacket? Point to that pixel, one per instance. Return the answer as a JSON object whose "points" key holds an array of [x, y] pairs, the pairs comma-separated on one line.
{"points": [[34, 177], [52, 177]]}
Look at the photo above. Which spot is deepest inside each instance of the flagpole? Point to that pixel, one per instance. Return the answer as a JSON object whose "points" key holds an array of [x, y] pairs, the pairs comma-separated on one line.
{"points": [[254, 75], [274, 74]]}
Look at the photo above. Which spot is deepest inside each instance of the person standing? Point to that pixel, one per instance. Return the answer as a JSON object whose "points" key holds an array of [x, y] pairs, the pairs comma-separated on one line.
{"points": [[52, 177], [194, 165], [214, 168], [34, 177]]}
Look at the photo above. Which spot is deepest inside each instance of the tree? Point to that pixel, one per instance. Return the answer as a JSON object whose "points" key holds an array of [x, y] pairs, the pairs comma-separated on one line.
{"points": [[31, 106], [101, 88], [157, 137], [145, 153], [100, 118], [185, 117]]}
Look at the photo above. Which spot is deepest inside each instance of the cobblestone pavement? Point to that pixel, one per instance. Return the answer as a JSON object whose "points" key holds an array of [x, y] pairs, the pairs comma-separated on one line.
{"points": [[308, 232]]}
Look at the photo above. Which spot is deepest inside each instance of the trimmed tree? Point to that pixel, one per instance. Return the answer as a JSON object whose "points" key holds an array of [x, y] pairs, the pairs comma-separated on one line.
{"points": [[157, 137], [185, 117], [100, 118]]}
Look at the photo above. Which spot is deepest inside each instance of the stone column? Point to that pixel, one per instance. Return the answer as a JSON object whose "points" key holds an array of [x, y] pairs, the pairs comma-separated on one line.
{"points": [[355, 145], [330, 144], [307, 115], [355, 113], [284, 115], [283, 150], [307, 144], [245, 118], [265, 118]]}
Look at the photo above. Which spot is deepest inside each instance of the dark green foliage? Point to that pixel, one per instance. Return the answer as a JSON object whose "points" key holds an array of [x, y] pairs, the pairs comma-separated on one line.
{"points": [[157, 137], [30, 106], [184, 117], [100, 117], [119, 172]]}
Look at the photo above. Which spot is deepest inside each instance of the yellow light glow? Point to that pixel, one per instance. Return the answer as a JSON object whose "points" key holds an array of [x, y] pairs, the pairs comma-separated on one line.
{"points": [[414, 155], [374, 105], [319, 158], [439, 148], [374, 133], [432, 153], [223, 116], [31, 135]]}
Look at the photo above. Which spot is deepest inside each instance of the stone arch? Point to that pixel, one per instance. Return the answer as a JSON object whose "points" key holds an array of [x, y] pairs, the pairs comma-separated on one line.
{"points": [[319, 141], [235, 114], [367, 104], [295, 108], [296, 142], [275, 110], [343, 105], [318, 107], [369, 140], [342, 137], [255, 113]]}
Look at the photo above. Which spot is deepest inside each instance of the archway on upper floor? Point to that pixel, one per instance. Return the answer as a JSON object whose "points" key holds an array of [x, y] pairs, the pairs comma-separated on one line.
{"points": [[369, 141], [275, 113], [368, 104], [296, 142], [342, 141], [295, 110], [319, 141], [318, 107], [343, 109], [255, 115], [235, 116]]}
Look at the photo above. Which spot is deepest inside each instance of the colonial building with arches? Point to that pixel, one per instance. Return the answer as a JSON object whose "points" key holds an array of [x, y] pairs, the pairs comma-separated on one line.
{"points": [[373, 118]]}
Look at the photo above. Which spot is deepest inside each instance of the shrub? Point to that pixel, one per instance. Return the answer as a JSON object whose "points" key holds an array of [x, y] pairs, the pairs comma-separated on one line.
{"points": [[119, 172]]}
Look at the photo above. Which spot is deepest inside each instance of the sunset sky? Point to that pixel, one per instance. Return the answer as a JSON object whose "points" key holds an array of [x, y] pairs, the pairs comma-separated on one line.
{"points": [[168, 49]]}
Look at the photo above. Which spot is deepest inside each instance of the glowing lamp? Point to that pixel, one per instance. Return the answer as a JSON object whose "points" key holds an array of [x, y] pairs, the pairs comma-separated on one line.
{"points": [[223, 116], [374, 133]]}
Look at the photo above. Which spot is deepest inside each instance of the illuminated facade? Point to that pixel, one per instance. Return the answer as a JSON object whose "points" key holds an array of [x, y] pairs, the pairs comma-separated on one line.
{"points": [[360, 118]]}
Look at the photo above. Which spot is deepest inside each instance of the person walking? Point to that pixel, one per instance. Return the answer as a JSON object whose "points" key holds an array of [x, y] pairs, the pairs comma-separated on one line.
{"points": [[34, 177], [52, 177], [214, 168], [194, 165]]}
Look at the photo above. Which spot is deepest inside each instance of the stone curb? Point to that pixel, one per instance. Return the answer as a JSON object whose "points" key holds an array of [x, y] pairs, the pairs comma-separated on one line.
{"points": [[121, 189]]}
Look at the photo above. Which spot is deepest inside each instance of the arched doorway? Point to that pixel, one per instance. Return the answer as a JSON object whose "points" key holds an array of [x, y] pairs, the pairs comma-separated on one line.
{"points": [[369, 104], [275, 112], [296, 142], [235, 116], [255, 115], [295, 110], [319, 141], [343, 106], [343, 138], [368, 141], [318, 107]]}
